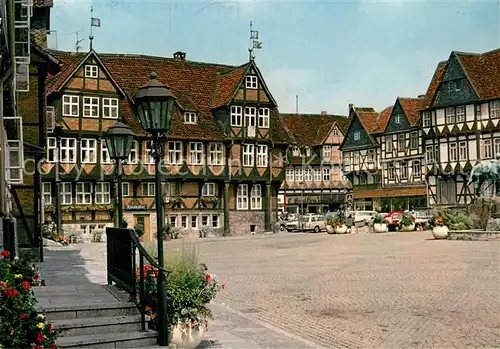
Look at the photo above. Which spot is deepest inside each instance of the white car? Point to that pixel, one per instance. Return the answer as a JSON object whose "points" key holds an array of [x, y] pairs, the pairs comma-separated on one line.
{"points": [[363, 216]]}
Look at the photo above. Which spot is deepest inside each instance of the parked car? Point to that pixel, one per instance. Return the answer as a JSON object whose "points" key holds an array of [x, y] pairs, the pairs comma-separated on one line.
{"points": [[393, 218], [422, 218], [363, 216], [315, 223]]}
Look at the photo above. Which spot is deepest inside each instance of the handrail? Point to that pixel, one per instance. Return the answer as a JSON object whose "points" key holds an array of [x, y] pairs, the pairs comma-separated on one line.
{"points": [[144, 253]]}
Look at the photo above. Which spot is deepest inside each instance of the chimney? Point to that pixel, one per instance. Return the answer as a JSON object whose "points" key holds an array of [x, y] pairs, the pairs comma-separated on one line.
{"points": [[181, 56], [324, 112]]}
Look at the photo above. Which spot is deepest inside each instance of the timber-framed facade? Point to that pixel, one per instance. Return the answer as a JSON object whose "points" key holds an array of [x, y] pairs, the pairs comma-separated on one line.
{"points": [[224, 157]]}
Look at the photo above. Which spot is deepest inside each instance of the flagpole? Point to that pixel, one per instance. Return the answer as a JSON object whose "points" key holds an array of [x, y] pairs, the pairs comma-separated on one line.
{"points": [[91, 37], [250, 48]]}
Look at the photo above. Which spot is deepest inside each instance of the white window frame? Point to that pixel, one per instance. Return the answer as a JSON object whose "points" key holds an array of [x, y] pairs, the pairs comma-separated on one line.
{"points": [[215, 222], [50, 115], [416, 169], [388, 144], [172, 220], [169, 189], [83, 193], [295, 151], [251, 82], [327, 175], [208, 189], [236, 116], [391, 171], [148, 189], [453, 151], [256, 197], [88, 150], [450, 116], [462, 150], [398, 118], [327, 152], [196, 153], [102, 193], [133, 156], [497, 146], [307, 151], [190, 118], [289, 175], [495, 109], [66, 193], [403, 169], [317, 174], [308, 176], [184, 221], [47, 193], [68, 150], [175, 153], [248, 155], [357, 135], [262, 159], [299, 174], [414, 140], [205, 220], [486, 149], [250, 116], [401, 142], [430, 154], [52, 151], [110, 108], [193, 219], [90, 107], [105, 158], [242, 197], [356, 158], [264, 116], [71, 105], [148, 157], [370, 155], [216, 154], [426, 119], [91, 71], [126, 189], [460, 114]]}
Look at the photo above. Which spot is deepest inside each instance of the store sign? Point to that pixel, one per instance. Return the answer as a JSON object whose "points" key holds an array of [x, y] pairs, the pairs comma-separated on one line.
{"points": [[135, 207]]}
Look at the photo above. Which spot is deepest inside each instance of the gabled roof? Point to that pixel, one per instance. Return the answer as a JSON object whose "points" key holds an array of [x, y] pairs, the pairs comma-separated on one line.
{"points": [[483, 71], [368, 118], [412, 107], [434, 84], [313, 129], [382, 120]]}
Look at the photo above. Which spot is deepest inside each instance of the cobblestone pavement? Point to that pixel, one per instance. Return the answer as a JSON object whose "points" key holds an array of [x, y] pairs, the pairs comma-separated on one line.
{"points": [[394, 290]]}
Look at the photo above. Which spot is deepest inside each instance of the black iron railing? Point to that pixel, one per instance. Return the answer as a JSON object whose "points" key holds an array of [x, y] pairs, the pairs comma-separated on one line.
{"points": [[126, 257]]}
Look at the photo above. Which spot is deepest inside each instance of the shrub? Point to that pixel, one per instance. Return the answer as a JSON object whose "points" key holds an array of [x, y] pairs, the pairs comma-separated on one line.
{"points": [[330, 218], [406, 220], [378, 219], [460, 221], [439, 218], [139, 230]]}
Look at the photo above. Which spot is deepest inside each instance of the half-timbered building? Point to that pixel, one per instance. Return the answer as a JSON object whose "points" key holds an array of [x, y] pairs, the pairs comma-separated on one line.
{"points": [[460, 123], [224, 157], [314, 180]]}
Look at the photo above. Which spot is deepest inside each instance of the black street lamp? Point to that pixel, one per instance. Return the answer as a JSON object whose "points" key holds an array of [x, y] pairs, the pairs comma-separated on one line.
{"points": [[153, 105], [119, 139]]}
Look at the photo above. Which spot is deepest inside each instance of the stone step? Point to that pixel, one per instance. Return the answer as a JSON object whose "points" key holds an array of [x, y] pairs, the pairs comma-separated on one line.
{"points": [[100, 325], [110, 340], [63, 311]]}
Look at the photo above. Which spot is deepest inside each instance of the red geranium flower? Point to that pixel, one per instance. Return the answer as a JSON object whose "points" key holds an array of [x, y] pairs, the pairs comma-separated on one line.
{"points": [[26, 285], [24, 316], [5, 253], [40, 337], [208, 277], [11, 292]]}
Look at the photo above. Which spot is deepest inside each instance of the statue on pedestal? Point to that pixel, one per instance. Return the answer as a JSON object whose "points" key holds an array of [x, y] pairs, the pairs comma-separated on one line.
{"points": [[486, 172]]}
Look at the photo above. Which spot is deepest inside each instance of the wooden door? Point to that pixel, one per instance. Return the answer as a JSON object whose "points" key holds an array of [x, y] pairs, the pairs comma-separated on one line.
{"points": [[146, 223]]}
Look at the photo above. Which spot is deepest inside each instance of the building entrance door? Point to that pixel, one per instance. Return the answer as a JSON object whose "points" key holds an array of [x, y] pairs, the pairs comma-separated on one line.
{"points": [[145, 221]]}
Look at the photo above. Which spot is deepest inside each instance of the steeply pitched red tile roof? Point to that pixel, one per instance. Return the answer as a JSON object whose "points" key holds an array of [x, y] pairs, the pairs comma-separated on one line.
{"points": [[382, 119], [434, 84], [368, 118], [412, 107], [198, 87], [483, 71], [312, 129]]}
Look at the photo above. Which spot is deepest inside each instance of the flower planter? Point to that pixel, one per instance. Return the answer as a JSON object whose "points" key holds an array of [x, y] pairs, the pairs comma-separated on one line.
{"points": [[440, 232], [186, 337], [341, 229], [330, 229], [408, 227], [379, 227]]}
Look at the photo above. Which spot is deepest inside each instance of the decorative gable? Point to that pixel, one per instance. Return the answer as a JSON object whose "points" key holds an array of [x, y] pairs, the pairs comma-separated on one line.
{"points": [[455, 87], [398, 121], [356, 137], [253, 88]]}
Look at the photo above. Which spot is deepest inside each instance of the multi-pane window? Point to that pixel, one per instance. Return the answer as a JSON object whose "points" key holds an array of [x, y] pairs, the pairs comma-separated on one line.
{"points": [[91, 107], [148, 189], [414, 140], [497, 146], [236, 115], [453, 152], [242, 197], [289, 174], [251, 81], [50, 114], [317, 174], [388, 144], [495, 109], [71, 105], [215, 221], [357, 135], [256, 197], [68, 150], [250, 115], [126, 189], [84, 193], [105, 158], [102, 195], [417, 170], [398, 118], [47, 192], [462, 151], [390, 171], [336, 132], [299, 174], [110, 108], [170, 189], [190, 118], [264, 117], [295, 151], [326, 174], [184, 221], [450, 115], [208, 189], [401, 143], [148, 154], [356, 158], [308, 174], [261, 155], [174, 153], [52, 149], [429, 154], [205, 220], [486, 149], [426, 119], [248, 155], [66, 194], [194, 222], [88, 150], [196, 153], [307, 151], [460, 114], [216, 154], [404, 170], [370, 155], [91, 71], [327, 152], [347, 159], [133, 156]]}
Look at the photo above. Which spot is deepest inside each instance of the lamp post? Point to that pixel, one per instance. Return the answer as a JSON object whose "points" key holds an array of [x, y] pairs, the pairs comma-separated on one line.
{"points": [[153, 105], [119, 139], [58, 133]]}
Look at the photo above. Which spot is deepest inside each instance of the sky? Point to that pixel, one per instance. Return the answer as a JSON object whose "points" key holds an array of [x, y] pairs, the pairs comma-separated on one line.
{"points": [[328, 53]]}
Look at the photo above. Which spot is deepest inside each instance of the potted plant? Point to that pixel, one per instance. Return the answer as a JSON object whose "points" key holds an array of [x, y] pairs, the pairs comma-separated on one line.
{"points": [[329, 223], [379, 224], [439, 226], [407, 222], [339, 225]]}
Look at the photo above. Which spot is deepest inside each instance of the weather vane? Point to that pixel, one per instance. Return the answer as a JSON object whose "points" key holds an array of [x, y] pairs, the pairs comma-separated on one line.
{"points": [[94, 22], [254, 42]]}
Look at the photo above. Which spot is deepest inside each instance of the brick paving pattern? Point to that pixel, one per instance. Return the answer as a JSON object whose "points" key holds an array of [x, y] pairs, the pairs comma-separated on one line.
{"points": [[395, 290]]}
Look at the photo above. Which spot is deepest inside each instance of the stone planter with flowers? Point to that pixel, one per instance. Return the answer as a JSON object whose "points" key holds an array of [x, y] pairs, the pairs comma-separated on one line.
{"points": [[407, 222], [379, 224], [439, 225]]}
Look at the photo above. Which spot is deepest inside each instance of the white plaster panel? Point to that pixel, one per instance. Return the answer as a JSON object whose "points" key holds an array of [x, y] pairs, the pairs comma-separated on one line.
{"points": [[469, 112], [439, 116], [443, 152]]}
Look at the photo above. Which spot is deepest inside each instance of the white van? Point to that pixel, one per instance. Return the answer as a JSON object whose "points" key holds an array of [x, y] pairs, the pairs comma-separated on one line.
{"points": [[315, 223]]}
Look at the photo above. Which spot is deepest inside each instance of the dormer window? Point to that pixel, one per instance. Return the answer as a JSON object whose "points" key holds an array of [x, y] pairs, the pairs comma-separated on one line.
{"points": [[398, 119], [357, 135], [91, 71], [307, 151], [336, 132], [251, 81], [190, 118], [295, 151]]}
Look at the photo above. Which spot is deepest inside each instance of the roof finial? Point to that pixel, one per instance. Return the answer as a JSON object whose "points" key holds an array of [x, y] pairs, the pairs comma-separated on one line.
{"points": [[254, 43], [94, 22]]}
